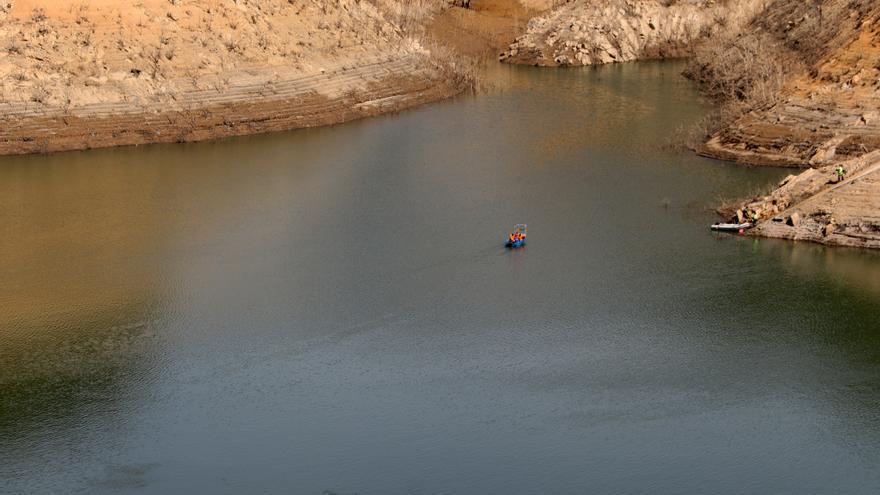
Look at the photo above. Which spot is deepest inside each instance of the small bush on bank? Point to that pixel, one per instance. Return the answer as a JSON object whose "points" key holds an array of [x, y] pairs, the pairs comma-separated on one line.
{"points": [[749, 69], [461, 71]]}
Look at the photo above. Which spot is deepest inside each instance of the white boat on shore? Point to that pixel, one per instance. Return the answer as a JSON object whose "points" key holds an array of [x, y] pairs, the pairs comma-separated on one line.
{"points": [[730, 227]]}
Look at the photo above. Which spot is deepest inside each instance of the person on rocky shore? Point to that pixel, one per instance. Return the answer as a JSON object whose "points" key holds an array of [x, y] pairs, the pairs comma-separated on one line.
{"points": [[840, 172]]}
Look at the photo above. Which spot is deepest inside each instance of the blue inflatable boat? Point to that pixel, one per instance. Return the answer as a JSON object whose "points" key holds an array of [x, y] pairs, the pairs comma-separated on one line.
{"points": [[517, 238]]}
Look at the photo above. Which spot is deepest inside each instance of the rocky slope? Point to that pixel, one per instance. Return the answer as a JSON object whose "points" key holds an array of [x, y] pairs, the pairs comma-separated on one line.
{"points": [[588, 32], [101, 73], [826, 111], [814, 206], [823, 112]]}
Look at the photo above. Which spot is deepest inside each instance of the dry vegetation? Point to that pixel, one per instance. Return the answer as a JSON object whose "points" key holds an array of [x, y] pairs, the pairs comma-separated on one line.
{"points": [[747, 70], [742, 72], [74, 53], [94, 73]]}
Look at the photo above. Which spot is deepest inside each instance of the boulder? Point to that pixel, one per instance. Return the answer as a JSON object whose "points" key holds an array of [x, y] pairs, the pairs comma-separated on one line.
{"points": [[786, 180], [826, 152], [794, 219]]}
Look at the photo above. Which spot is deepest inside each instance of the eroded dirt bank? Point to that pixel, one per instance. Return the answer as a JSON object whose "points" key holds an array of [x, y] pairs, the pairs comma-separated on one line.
{"points": [[252, 102], [103, 73], [486, 27]]}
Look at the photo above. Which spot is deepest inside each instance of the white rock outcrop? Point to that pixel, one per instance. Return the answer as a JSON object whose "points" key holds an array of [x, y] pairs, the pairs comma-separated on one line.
{"points": [[589, 32]]}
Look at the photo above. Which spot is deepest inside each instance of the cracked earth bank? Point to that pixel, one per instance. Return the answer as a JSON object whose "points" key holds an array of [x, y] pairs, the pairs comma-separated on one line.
{"points": [[96, 73]]}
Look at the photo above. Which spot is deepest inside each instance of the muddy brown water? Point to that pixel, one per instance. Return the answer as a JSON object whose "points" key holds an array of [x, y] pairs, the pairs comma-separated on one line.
{"points": [[331, 311]]}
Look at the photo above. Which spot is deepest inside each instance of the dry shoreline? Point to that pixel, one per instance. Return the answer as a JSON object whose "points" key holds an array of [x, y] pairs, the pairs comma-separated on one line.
{"points": [[104, 74], [101, 73], [253, 103], [814, 206]]}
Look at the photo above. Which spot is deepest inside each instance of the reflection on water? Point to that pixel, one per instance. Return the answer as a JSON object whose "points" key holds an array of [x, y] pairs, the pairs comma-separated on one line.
{"points": [[331, 310]]}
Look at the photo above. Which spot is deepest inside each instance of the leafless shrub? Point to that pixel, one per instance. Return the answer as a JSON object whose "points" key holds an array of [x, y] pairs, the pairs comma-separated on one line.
{"points": [[232, 45], [13, 48], [461, 71], [39, 94], [408, 15], [81, 14], [154, 57], [748, 69], [38, 15]]}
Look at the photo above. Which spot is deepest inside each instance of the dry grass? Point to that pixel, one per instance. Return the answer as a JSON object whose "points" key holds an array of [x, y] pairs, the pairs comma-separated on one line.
{"points": [[789, 36], [749, 69], [811, 27], [742, 73], [746, 71], [461, 71], [409, 15]]}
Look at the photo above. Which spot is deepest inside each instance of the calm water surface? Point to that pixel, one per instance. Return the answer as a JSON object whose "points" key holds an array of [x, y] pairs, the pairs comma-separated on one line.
{"points": [[331, 311]]}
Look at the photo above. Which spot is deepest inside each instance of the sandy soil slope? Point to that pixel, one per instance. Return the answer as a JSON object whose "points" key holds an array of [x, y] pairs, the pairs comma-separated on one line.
{"points": [[487, 27], [76, 75]]}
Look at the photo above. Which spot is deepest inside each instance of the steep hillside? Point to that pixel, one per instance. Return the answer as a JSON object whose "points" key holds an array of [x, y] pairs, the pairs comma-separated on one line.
{"points": [[589, 32], [825, 108], [99, 72], [802, 85]]}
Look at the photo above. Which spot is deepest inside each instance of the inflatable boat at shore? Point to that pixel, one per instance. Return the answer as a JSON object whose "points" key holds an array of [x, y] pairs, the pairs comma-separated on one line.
{"points": [[730, 227]]}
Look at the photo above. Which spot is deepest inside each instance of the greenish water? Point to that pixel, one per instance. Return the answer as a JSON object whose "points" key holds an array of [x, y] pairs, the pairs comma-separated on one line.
{"points": [[331, 311]]}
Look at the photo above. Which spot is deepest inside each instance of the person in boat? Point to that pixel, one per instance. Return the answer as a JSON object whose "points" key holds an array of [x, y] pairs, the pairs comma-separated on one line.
{"points": [[841, 173], [512, 237]]}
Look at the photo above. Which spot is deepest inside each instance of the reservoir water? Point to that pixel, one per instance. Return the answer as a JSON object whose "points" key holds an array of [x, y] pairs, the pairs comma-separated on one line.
{"points": [[331, 311]]}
